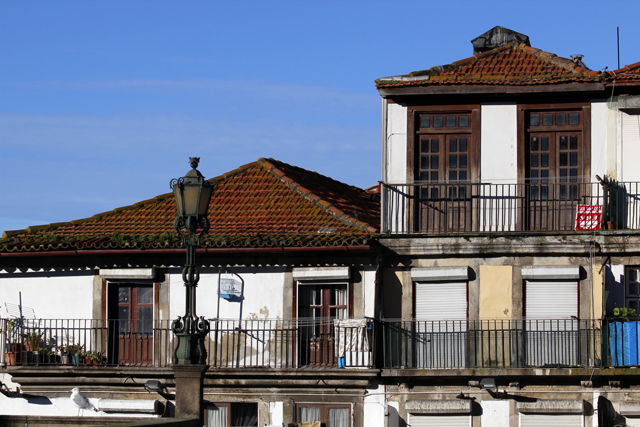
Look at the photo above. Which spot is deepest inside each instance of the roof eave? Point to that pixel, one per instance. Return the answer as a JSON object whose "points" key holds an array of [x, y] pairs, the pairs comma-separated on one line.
{"points": [[490, 89]]}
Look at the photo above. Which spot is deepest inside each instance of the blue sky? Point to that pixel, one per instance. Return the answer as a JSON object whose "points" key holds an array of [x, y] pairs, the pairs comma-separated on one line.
{"points": [[102, 102]]}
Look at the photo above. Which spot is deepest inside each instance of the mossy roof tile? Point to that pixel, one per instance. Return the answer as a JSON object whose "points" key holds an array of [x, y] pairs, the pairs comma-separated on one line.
{"points": [[264, 203]]}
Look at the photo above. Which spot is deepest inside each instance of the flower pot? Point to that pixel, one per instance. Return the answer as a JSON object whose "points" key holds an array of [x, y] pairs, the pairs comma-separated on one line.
{"points": [[65, 359], [75, 359], [12, 358]]}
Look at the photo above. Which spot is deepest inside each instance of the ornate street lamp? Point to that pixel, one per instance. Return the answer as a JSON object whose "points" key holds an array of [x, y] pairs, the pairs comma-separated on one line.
{"points": [[192, 195]]}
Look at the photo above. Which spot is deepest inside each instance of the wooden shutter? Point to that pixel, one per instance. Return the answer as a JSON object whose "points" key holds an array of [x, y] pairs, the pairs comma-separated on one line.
{"points": [[547, 420], [630, 147], [454, 420]]}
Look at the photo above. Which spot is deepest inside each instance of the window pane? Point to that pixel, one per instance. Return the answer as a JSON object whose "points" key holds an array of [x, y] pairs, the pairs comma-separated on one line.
{"points": [[633, 290], [453, 176], [434, 176], [145, 320], [463, 144], [452, 193], [453, 145], [534, 143], [573, 142], [547, 119], [534, 193], [574, 192], [463, 176], [544, 143], [425, 121], [463, 121], [463, 161], [534, 176], [309, 415], [216, 416], [534, 119], [123, 294], [434, 193], [437, 121], [561, 119], [453, 161], [543, 193], [338, 417], [544, 176], [451, 121], [534, 160], [424, 162], [244, 414], [574, 159], [563, 175], [544, 160], [434, 161], [462, 192], [123, 316], [563, 142], [145, 295], [573, 175], [574, 118], [424, 145], [563, 159], [435, 145], [563, 191]]}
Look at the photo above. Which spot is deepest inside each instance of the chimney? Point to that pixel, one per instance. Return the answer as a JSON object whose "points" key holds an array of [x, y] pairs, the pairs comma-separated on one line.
{"points": [[497, 37]]}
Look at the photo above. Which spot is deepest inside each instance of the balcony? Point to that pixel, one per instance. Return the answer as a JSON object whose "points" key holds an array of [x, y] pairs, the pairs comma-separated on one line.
{"points": [[503, 208], [463, 344], [277, 344]]}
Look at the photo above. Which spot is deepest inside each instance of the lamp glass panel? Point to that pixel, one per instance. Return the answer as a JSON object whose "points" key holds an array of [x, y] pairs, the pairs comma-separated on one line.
{"points": [[191, 195], [205, 196], [177, 193]]}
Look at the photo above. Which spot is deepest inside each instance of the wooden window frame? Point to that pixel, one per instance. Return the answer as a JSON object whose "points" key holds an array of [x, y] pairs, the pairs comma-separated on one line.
{"points": [[324, 410]]}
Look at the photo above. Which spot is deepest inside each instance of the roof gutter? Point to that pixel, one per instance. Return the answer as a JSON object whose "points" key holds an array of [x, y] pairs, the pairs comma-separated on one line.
{"points": [[182, 251]]}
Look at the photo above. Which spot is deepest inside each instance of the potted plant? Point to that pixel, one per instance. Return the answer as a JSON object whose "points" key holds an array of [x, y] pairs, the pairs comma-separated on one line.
{"points": [[75, 352], [13, 352], [93, 358], [32, 340]]}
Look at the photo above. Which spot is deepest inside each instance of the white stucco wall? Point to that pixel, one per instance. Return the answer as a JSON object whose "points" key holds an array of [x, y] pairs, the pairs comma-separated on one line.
{"points": [[498, 143], [396, 145], [263, 294], [601, 133], [52, 295]]}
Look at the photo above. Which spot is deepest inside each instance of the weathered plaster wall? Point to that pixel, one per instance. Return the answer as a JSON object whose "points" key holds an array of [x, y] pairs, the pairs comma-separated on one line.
{"points": [[495, 291], [53, 294], [263, 294], [498, 139]]}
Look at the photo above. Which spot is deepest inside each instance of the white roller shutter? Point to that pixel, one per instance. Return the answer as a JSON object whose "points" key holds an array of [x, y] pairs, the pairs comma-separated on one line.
{"points": [[551, 300], [437, 301], [441, 316], [630, 147], [551, 325], [428, 420], [632, 422], [548, 420]]}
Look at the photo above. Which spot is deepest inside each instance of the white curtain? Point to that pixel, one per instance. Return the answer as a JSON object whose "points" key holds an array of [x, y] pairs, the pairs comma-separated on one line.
{"points": [[309, 414], [216, 416], [338, 417]]}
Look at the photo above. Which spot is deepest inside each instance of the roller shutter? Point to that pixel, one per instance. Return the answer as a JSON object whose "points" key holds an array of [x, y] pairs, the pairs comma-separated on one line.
{"points": [[547, 420], [441, 315], [454, 420], [551, 325]]}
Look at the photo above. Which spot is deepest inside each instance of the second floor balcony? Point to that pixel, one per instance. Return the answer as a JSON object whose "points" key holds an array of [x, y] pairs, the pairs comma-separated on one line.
{"points": [[443, 208]]}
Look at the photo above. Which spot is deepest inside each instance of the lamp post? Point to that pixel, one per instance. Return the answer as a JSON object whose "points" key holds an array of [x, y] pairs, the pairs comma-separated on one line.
{"points": [[192, 194]]}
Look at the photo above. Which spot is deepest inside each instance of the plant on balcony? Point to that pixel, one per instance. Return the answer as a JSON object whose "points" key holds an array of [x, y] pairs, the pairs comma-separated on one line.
{"points": [[13, 353], [93, 358], [32, 340], [624, 314], [71, 353]]}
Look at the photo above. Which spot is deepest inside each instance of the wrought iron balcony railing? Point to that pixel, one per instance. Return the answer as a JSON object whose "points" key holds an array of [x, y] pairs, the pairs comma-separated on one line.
{"points": [[478, 207], [460, 344], [278, 343]]}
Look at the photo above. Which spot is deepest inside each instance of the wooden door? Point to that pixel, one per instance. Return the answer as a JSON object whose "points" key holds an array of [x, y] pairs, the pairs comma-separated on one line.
{"points": [[131, 324], [319, 306]]}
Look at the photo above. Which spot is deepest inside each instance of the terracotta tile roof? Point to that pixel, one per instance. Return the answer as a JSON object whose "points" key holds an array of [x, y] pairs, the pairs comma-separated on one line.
{"points": [[514, 64], [627, 73], [262, 204]]}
